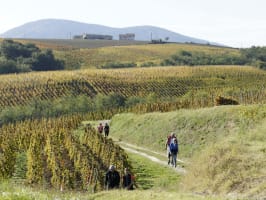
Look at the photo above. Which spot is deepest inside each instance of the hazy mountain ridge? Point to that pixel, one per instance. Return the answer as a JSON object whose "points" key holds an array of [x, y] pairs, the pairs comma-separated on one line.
{"points": [[66, 29]]}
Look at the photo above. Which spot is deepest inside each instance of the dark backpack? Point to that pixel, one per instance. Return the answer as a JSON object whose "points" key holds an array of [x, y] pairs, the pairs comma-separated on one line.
{"points": [[174, 148], [106, 128]]}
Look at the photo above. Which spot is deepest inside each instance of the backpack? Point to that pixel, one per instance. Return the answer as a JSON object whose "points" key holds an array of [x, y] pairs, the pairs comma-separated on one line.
{"points": [[106, 128], [169, 138], [174, 148]]}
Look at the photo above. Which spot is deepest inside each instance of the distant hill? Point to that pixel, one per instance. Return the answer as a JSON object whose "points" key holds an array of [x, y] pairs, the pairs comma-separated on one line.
{"points": [[65, 29]]}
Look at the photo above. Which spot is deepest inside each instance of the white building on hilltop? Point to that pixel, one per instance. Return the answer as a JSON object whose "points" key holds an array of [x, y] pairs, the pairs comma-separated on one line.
{"points": [[127, 36]]}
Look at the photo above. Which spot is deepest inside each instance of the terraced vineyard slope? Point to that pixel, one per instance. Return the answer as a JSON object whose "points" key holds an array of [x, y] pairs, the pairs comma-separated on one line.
{"points": [[188, 86]]}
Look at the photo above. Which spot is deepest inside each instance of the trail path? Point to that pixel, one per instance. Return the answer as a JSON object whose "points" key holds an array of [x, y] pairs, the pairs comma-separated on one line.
{"points": [[147, 154]]}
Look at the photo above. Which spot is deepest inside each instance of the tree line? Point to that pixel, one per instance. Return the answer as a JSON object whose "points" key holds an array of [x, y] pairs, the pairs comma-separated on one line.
{"points": [[254, 56], [16, 57]]}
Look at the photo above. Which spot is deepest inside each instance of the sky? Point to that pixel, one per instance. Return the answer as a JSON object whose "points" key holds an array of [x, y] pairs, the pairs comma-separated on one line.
{"points": [[236, 23]]}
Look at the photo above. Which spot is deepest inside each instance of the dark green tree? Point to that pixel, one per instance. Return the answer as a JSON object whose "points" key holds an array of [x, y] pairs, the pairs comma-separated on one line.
{"points": [[12, 50], [8, 66], [18, 57], [46, 61]]}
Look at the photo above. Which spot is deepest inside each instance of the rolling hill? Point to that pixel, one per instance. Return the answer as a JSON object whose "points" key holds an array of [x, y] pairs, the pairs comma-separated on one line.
{"points": [[65, 29]]}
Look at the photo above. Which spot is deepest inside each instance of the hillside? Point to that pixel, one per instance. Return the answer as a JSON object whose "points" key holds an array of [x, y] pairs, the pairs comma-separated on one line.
{"points": [[49, 144], [224, 150], [138, 54], [66, 29], [224, 147], [99, 53], [105, 92]]}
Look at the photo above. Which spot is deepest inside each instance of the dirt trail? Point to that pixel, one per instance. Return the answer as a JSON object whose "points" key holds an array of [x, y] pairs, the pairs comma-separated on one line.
{"points": [[145, 153]]}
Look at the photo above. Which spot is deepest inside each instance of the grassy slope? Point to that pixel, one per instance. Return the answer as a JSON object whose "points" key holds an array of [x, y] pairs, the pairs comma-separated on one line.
{"points": [[95, 53], [30, 194], [225, 146], [138, 54], [228, 162]]}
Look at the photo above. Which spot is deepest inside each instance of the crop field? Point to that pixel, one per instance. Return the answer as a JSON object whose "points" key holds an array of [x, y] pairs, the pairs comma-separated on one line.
{"points": [[65, 44], [79, 54], [196, 85], [152, 54]]}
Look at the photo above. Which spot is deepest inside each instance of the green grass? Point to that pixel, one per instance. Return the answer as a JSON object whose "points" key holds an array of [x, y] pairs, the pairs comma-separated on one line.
{"points": [[232, 165], [150, 175], [194, 128], [150, 194], [223, 146]]}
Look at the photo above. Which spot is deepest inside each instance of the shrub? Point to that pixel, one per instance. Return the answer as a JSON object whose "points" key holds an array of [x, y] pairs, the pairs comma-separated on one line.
{"points": [[8, 66], [225, 101], [118, 65]]}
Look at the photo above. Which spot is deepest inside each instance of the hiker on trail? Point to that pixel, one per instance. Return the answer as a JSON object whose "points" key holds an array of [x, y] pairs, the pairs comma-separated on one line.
{"points": [[174, 151], [169, 141], [106, 129], [100, 128], [128, 180], [112, 178]]}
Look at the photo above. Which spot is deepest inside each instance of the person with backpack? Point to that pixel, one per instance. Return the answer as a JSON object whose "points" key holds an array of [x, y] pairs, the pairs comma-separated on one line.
{"points": [[106, 129], [112, 178], [128, 180], [100, 128], [169, 141], [174, 151]]}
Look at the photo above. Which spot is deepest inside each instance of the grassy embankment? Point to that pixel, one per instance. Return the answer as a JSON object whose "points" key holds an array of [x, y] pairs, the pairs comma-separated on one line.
{"points": [[223, 146], [24, 193]]}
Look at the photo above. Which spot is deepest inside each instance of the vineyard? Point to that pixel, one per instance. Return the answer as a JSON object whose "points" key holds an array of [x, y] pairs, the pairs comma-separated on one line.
{"points": [[47, 151], [43, 141], [186, 86], [50, 153]]}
